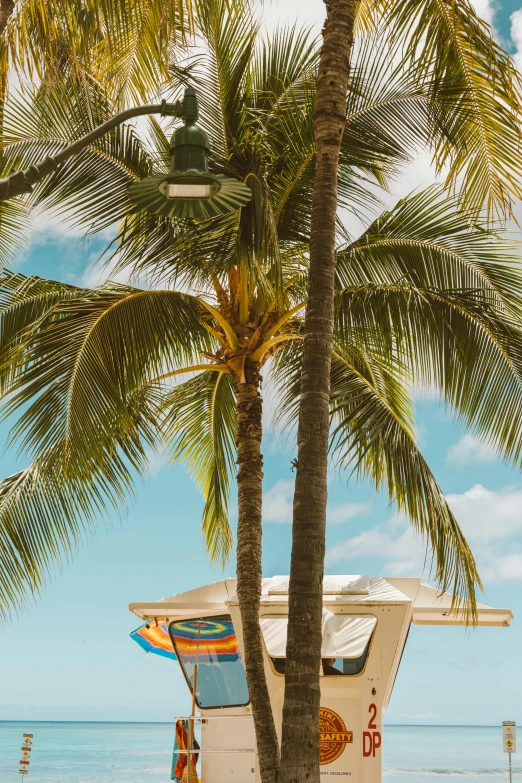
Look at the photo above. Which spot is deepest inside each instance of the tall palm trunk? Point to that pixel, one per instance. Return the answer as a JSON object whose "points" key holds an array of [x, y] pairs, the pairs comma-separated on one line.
{"points": [[6, 9], [249, 566], [300, 739]]}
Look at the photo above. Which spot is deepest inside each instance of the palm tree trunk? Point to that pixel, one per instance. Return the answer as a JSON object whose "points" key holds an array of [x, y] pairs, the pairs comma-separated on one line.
{"points": [[300, 737], [249, 565], [6, 9]]}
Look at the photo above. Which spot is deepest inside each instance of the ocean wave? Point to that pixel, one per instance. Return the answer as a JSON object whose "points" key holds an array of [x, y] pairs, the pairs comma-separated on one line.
{"points": [[495, 772]]}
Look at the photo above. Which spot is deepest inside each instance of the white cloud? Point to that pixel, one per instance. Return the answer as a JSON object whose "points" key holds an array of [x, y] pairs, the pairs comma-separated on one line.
{"points": [[337, 515], [419, 716], [503, 568], [469, 450], [98, 272], [394, 542], [158, 461], [278, 500], [279, 12], [486, 516], [491, 522], [485, 9], [467, 663], [516, 36]]}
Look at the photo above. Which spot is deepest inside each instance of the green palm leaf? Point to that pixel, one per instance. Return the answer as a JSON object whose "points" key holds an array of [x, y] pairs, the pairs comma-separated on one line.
{"points": [[372, 434], [229, 39], [49, 38], [200, 428], [91, 187], [47, 508], [139, 44], [456, 342], [23, 302], [426, 241], [475, 92], [15, 223], [85, 355], [79, 363]]}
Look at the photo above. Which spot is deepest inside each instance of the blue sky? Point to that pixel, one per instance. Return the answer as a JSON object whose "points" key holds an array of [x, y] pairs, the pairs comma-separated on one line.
{"points": [[69, 657]]}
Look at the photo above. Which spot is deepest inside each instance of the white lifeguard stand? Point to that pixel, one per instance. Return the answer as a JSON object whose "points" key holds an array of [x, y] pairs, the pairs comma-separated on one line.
{"points": [[365, 627]]}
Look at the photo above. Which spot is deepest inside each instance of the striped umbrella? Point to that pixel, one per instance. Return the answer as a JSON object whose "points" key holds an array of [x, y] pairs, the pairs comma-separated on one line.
{"points": [[217, 640], [155, 639]]}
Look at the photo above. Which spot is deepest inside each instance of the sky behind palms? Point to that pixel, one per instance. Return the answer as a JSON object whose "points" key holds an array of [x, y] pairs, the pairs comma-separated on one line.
{"points": [[69, 656]]}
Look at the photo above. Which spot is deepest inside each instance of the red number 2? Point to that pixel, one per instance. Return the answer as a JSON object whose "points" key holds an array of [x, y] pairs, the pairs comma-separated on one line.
{"points": [[371, 739]]}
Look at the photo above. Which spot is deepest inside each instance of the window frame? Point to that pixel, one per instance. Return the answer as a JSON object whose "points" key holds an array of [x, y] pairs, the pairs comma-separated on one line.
{"points": [[213, 618], [341, 674]]}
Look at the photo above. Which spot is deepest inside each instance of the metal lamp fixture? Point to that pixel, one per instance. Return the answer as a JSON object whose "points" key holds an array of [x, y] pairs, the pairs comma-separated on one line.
{"points": [[189, 190]]}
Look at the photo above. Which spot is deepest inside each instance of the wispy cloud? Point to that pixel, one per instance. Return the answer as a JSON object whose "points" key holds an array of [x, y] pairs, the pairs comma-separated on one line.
{"points": [[419, 716], [158, 461], [491, 522], [485, 9], [469, 450], [465, 664], [278, 500], [516, 36], [392, 541], [487, 516]]}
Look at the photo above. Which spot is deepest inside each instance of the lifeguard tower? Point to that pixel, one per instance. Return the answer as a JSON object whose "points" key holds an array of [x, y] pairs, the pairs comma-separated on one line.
{"points": [[365, 626]]}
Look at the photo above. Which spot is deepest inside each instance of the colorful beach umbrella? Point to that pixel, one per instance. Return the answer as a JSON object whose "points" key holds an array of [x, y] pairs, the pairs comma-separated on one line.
{"points": [[155, 639], [207, 641]]}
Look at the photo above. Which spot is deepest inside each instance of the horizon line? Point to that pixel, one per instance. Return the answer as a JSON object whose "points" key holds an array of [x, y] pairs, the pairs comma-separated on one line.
{"points": [[169, 723]]}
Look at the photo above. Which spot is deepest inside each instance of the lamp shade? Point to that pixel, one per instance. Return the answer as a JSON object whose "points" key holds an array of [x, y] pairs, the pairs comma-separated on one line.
{"points": [[189, 190], [167, 194]]}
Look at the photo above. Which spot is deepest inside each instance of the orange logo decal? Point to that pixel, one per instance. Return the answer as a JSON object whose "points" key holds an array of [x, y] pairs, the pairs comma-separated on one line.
{"points": [[334, 736]]}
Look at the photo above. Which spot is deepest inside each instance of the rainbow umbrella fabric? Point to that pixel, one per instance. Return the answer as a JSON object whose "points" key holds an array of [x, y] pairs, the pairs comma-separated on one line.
{"points": [[209, 641]]}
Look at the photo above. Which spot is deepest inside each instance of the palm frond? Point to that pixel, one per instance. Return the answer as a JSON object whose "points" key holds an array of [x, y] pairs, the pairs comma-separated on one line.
{"points": [[50, 38], [457, 342], [200, 428], [387, 120], [229, 39], [388, 116], [46, 509], [426, 241], [372, 435], [139, 45], [23, 302], [90, 188], [475, 94], [15, 224], [83, 357], [282, 60]]}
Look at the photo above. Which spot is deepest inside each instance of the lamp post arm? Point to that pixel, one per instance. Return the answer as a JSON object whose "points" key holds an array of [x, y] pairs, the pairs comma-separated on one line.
{"points": [[19, 182]]}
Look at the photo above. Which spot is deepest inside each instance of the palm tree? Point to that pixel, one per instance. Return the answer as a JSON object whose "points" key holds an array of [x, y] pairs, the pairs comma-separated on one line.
{"points": [[130, 45], [44, 39], [305, 592], [93, 370], [478, 92]]}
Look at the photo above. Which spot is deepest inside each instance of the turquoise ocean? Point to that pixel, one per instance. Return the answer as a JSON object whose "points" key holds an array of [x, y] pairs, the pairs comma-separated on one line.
{"points": [[141, 753]]}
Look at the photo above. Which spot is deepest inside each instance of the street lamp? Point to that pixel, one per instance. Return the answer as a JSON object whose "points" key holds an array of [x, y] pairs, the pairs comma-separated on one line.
{"points": [[189, 190]]}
